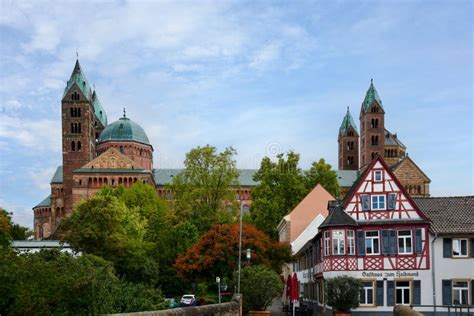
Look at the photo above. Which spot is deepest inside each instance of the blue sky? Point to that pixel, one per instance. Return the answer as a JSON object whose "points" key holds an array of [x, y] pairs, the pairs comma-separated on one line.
{"points": [[261, 76]]}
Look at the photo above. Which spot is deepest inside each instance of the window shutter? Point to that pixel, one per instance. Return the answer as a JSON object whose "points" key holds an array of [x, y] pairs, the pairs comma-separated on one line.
{"points": [[385, 242], [390, 293], [392, 198], [417, 292], [393, 242], [365, 198], [418, 241], [379, 293], [472, 256], [447, 247], [360, 243], [472, 292], [447, 292]]}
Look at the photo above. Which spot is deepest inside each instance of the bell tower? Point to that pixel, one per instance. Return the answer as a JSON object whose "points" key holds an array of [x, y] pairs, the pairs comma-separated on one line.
{"points": [[372, 127], [78, 129], [348, 142]]}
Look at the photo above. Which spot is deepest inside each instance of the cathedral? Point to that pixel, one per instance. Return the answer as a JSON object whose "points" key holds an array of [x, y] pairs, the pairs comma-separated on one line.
{"points": [[356, 151], [96, 153]]}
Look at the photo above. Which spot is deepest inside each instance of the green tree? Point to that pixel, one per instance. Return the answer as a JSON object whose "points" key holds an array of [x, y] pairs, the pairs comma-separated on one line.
{"points": [[343, 292], [54, 283], [259, 286], [281, 187], [10, 231], [202, 192], [322, 173], [104, 226]]}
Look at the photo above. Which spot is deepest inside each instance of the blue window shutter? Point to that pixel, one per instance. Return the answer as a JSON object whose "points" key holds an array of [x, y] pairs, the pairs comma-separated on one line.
{"points": [[447, 292], [392, 198], [390, 293], [418, 242], [472, 292], [472, 256], [379, 293], [447, 247], [417, 292], [393, 242], [365, 199], [385, 242], [360, 243]]}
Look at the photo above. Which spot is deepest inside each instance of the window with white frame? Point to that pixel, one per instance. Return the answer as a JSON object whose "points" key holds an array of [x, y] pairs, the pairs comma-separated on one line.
{"points": [[366, 294], [460, 246], [350, 242], [378, 202], [405, 242], [402, 292], [377, 175], [338, 242], [372, 243], [460, 292], [327, 243]]}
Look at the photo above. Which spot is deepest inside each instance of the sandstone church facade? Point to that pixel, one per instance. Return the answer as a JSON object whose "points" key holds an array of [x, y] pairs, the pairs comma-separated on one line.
{"points": [[356, 151], [96, 153]]}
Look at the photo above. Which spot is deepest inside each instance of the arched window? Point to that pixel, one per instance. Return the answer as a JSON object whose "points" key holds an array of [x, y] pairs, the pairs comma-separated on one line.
{"points": [[79, 128], [78, 146], [73, 146], [121, 149], [72, 128]]}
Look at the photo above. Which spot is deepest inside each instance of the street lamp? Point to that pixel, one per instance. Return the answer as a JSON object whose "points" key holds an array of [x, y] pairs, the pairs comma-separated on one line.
{"points": [[218, 280], [248, 254]]}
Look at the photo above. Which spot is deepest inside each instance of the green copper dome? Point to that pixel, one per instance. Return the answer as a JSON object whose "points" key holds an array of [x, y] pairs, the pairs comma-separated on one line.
{"points": [[124, 130], [346, 123]]}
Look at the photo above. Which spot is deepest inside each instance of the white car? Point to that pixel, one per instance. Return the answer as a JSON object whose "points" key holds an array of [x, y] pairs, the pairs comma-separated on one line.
{"points": [[189, 300]]}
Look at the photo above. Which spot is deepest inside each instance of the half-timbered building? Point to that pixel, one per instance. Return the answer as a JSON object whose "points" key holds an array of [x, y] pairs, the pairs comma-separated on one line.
{"points": [[376, 234]]}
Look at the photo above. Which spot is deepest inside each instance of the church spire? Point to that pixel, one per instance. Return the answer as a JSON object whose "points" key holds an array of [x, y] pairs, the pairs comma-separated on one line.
{"points": [[371, 96], [78, 78], [347, 122]]}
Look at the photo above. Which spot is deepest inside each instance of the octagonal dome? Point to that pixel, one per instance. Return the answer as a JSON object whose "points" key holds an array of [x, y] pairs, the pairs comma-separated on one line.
{"points": [[124, 130]]}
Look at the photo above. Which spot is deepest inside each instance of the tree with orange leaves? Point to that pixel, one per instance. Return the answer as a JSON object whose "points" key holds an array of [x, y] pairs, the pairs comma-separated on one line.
{"points": [[216, 253]]}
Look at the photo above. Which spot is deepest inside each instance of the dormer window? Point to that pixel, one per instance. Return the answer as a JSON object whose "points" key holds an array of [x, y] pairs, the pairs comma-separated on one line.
{"points": [[377, 175]]}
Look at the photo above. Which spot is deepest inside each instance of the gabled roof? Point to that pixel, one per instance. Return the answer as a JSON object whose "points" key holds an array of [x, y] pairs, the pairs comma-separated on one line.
{"points": [[78, 78], [449, 215], [392, 139], [45, 203], [370, 97], [408, 160], [98, 109], [356, 185], [347, 122], [337, 217], [58, 176]]}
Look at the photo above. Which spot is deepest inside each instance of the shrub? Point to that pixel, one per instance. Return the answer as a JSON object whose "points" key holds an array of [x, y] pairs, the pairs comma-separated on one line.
{"points": [[343, 293], [259, 286]]}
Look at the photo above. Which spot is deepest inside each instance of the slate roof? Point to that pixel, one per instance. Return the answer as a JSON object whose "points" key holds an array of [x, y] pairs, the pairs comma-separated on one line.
{"points": [[346, 177], [370, 97], [449, 215], [58, 175], [124, 130], [99, 110], [392, 139], [347, 122], [45, 203], [337, 217], [164, 176], [78, 78]]}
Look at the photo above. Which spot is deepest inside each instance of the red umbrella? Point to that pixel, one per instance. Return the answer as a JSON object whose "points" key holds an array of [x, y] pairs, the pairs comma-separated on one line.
{"points": [[288, 287], [294, 289]]}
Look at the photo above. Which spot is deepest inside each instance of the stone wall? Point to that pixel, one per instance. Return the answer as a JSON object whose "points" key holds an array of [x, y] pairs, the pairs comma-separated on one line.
{"points": [[224, 309]]}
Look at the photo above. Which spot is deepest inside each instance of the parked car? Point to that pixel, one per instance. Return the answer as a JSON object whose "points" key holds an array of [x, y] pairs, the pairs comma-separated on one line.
{"points": [[189, 300], [171, 302]]}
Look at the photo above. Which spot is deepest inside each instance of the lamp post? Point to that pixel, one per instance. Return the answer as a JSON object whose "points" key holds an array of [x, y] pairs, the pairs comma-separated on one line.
{"points": [[218, 280]]}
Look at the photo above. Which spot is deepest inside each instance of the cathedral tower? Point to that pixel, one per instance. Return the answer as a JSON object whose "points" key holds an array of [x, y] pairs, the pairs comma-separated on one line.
{"points": [[372, 127], [348, 141], [79, 125]]}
